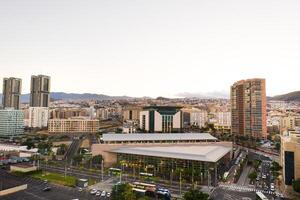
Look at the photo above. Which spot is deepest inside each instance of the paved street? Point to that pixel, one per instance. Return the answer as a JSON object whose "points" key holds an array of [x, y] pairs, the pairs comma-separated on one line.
{"points": [[244, 180], [225, 194]]}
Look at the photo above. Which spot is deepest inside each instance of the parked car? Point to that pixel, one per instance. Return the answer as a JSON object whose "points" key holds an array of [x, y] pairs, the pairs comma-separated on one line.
{"points": [[93, 191], [46, 189], [98, 193], [103, 194]]}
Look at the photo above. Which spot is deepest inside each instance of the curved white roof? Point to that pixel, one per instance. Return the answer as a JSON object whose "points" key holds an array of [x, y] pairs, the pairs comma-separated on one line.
{"points": [[205, 153], [112, 137]]}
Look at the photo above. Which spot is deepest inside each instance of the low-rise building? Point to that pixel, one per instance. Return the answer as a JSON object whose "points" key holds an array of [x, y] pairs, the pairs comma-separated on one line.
{"points": [[164, 155], [74, 125]]}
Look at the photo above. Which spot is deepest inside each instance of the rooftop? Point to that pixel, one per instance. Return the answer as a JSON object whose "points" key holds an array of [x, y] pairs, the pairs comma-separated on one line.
{"points": [[205, 153], [112, 137]]}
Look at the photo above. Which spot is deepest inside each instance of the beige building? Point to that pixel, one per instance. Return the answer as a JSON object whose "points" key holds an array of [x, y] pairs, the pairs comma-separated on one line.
{"points": [[131, 113], [289, 123], [290, 156], [66, 113], [78, 125]]}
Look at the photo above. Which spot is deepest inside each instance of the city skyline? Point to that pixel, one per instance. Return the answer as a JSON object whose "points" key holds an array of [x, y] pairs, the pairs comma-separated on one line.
{"points": [[151, 48]]}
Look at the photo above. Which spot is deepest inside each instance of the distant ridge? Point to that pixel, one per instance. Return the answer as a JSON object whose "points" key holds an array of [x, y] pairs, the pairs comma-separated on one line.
{"points": [[292, 96], [75, 96]]}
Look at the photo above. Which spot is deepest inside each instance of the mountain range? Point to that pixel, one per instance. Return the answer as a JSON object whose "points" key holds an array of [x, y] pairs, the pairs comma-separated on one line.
{"points": [[292, 96], [75, 96]]}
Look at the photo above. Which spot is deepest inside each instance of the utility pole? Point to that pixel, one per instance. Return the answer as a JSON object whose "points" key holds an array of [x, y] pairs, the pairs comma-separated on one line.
{"points": [[102, 170], [180, 182]]}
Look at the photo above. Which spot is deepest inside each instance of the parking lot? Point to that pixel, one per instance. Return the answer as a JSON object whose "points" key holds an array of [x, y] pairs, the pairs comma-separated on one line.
{"points": [[35, 191]]}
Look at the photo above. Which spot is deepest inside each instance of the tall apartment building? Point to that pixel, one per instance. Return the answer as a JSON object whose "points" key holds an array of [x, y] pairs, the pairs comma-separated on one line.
{"points": [[161, 119], [40, 91], [11, 123], [248, 108], [12, 88], [290, 157]]}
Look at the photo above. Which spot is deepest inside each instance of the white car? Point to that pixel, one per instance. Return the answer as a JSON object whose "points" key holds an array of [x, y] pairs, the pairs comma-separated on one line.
{"points": [[103, 194], [98, 193], [108, 195], [93, 191]]}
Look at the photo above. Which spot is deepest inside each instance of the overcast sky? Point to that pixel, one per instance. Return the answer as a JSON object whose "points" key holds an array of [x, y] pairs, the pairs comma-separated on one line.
{"points": [[151, 48]]}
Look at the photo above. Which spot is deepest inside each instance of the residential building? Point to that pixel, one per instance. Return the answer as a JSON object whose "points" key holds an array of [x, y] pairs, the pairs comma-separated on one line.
{"points": [[73, 125], [248, 108], [40, 91], [11, 123], [12, 88], [290, 157], [66, 113], [131, 113], [161, 119], [37, 117], [287, 123], [198, 118], [222, 121]]}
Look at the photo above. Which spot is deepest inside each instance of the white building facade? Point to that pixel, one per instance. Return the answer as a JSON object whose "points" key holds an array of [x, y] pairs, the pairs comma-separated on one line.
{"points": [[37, 117]]}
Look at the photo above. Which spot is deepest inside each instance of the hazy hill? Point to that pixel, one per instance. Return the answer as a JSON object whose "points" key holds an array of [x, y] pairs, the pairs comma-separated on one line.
{"points": [[292, 96], [74, 96]]}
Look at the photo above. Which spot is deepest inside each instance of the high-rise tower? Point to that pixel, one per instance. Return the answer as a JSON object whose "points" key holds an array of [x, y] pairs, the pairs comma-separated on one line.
{"points": [[248, 108], [11, 92], [40, 91]]}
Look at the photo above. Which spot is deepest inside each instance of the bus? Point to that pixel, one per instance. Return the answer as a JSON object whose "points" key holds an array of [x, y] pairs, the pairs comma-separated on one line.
{"points": [[146, 174], [261, 196], [114, 171], [143, 186]]}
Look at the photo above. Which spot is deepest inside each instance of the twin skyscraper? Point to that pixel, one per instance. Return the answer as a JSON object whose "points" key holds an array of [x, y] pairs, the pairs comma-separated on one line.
{"points": [[39, 92]]}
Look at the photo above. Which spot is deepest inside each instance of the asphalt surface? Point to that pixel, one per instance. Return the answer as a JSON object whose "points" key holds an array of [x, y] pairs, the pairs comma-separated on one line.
{"points": [[72, 150], [224, 194], [35, 191]]}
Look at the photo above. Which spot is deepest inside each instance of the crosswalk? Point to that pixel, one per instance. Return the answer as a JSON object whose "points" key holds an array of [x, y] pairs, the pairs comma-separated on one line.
{"points": [[240, 188]]}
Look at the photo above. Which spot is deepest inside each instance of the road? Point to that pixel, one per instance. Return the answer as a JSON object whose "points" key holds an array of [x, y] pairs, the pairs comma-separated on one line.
{"points": [[72, 150], [111, 180]]}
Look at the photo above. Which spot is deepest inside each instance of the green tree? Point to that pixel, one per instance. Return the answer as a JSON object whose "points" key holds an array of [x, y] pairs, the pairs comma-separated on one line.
{"points": [[275, 166], [122, 192], [195, 195], [62, 149], [252, 176], [96, 160], [277, 146], [296, 185], [77, 159], [29, 143]]}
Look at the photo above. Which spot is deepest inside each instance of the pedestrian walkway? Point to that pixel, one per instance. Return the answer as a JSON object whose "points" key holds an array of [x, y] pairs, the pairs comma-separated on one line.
{"points": [[240, 188]]}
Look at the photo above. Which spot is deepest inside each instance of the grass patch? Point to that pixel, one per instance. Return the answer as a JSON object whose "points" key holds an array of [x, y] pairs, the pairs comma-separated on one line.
{"points": [[56, 178]]}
